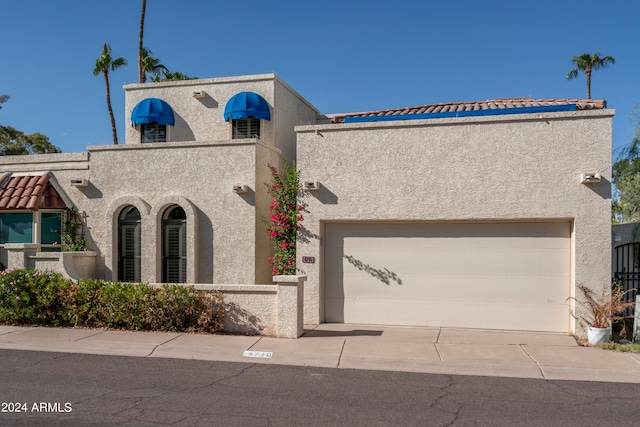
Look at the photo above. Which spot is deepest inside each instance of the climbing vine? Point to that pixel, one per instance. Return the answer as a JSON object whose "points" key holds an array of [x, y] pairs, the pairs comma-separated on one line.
{"points": [[73, 232], [284, 215]]}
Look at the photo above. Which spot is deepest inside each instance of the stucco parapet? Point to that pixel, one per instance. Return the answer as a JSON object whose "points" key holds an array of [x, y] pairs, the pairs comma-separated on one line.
{"points": [[41, 162], [224, 288], [506, 118], [177, 145], [200, 82], [220, 81], [289, 278]]}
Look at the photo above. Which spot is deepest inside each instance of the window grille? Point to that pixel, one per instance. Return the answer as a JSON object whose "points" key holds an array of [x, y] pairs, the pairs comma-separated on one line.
{"points": [[246, 128], [154, 132]]}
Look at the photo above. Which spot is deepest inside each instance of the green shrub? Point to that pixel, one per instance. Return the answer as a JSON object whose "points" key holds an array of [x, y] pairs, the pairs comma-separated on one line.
{"points": [[79, 303], [42, 297], [30, 297]]}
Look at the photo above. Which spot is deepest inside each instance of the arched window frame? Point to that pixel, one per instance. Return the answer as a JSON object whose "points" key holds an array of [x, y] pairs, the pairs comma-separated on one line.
{"points": [[174, 245], [111, 252], [192, 232], [130, 234]]}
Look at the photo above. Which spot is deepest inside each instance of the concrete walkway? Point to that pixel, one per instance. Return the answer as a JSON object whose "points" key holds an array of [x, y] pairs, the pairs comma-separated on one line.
{"points": [[428, 350]]}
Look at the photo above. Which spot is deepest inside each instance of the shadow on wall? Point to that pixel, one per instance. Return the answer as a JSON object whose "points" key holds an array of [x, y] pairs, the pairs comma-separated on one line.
{"points": [[324, 195], [603, 189], [305, 236], [240, 320], [249, 197], [205, 248], [351, 333], [208, 101], [91, 191], [384, 275], [181, 130]]}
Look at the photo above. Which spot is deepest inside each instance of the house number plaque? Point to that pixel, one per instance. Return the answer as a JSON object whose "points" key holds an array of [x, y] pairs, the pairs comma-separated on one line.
{"points": [[309, 259]]}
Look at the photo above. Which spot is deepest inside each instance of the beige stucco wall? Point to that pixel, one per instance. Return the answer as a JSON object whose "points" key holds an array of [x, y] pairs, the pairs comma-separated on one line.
{"points": [[203, 119], [197, 176], [511, 167]]}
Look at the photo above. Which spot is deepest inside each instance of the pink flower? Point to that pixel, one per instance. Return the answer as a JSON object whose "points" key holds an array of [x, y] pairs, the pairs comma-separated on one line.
{"points": [[283, 245], [270, 260]]}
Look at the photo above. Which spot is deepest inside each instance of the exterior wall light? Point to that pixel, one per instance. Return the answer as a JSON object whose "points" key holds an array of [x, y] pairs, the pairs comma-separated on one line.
{"points": [[198, 94], [240, 189], [79, 182], [590, 178], [310, 185]]}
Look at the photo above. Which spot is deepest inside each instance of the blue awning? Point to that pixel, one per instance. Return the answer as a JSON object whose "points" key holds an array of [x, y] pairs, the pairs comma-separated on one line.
{"points": [[245, 105], [152, 110]]}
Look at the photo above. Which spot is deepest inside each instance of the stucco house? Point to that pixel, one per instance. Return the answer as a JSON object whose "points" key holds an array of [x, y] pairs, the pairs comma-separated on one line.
{"points": [[480, 215], [475, 215]]}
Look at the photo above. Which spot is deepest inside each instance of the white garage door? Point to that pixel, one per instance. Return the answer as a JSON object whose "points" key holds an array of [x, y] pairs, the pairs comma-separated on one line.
{"points": [[512, 276]]}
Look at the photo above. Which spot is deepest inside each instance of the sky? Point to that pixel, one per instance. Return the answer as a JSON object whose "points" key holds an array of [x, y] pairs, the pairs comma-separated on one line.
{"points": [[342, 56]]}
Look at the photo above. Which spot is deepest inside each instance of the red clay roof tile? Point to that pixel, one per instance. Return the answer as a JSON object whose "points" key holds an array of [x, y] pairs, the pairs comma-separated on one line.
{"points": [[29, 192], [494, 104]]}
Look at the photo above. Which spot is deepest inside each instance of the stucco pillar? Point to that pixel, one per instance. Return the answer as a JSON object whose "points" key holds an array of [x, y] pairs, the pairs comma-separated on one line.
{"points": [[290, 304], [18, 254]]}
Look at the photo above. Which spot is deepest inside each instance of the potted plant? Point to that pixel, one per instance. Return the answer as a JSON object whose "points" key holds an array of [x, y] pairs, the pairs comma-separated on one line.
{"points": [[605, 309]]}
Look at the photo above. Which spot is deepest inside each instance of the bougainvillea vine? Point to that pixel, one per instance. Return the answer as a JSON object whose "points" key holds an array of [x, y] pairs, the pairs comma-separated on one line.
{"points": [[284, 215]]}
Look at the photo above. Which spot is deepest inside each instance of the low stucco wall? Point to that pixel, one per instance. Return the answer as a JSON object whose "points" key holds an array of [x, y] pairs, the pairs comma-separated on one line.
{"points": [[271, 310], [249, 309], [72, 265]]}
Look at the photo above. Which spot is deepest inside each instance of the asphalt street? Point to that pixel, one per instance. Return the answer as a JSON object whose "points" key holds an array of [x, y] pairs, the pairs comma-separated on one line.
{"points": [[79, 389]]}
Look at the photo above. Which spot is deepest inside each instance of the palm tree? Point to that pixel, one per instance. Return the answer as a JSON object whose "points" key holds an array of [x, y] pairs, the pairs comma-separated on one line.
{"points": [[103, 64], [150, 65], [141, 72], [588, 63]]}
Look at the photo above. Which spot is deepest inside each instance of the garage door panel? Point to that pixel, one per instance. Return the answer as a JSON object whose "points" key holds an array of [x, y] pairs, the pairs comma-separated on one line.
{"points": [[447, 232], [490, 261], [519, 269], [453, 288]]}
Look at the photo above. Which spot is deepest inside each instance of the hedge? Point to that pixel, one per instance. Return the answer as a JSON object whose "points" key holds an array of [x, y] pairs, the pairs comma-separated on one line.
{"points": [[33, 297]]}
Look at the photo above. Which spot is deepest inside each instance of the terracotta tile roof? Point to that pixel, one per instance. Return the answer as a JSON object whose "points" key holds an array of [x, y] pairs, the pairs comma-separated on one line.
{"points": [[29, 192], [495, 104]]}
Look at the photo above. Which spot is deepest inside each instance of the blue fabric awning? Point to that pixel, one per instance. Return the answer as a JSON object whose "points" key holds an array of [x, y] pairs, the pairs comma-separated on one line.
{"points": [[245, 105], [152, 110]]}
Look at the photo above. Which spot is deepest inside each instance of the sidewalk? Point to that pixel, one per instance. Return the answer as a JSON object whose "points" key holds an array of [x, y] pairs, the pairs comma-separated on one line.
{"points": [[427, 350]]}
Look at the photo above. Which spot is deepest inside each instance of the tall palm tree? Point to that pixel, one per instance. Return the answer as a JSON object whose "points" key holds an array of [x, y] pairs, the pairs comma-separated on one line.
{"points": [[150, 64], [104, 63], [588, 63], [141, 72]]}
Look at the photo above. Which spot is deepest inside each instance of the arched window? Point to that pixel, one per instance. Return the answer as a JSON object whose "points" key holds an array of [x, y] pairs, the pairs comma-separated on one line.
{"points": [[174, 245], [129, 261]]}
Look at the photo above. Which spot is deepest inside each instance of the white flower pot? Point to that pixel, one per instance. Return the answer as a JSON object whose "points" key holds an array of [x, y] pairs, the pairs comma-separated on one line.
{"points": [[598, 335]]}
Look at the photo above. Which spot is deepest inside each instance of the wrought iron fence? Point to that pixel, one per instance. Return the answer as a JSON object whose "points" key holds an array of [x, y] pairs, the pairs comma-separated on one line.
{"points": [[627, 271]]}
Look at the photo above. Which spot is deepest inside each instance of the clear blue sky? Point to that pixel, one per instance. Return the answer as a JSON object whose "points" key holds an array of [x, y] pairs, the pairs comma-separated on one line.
{"points": [[342, 56]]}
